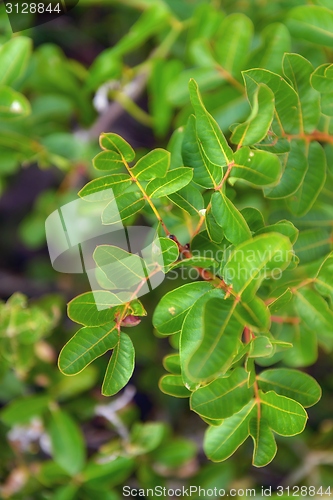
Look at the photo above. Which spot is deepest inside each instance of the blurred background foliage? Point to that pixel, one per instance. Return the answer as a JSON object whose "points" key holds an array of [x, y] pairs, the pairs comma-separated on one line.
{"points": [[123, 66]]}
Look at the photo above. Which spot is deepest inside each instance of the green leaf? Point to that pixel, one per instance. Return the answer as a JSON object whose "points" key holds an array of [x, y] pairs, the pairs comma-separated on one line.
{"points": [[163, 74], [295, 167], [172, 364], [291, 383], [312, 244], [87, 344], [223, 397], [122, 269], [305, 196], [312, 23], [264, 442], [151, 21], [173, 181], [321, 81], [170, 312], [108, 160], [14, 57], [188, 198], [128, 204], [232, 46], [214, 230], [120, 367], [284, 416], [230, 219], [314, 311], [12, 104], [323, 281], [257, 167], [260, 347], [205, 173], [22, 410], [67, 442], [93, 308], [305, 347], [213, 142], [173, 385], [167, 254], [113, 142], [281, 301], [222, 441], [286, 100], [253, 218], [99, 189], [209, 338], [284, 227], [153, 164], [146, 437], [275, 43], [255, 260], [254, 314], [257, 125], [298, 70]]}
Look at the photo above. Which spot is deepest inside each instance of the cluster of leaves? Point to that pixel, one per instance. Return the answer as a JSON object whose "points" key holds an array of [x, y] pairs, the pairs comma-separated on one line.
{"points": [[253, 200], [229, 320]]}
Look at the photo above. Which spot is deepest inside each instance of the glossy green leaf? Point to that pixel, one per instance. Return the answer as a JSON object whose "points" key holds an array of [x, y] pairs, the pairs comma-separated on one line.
{"points": [[122, 269], [170, 312], [281, 301], [128, 204], [264, 442], [254, 314], [153, 164], [167, 253], [257, 125], [312, 23], [14, 57], [255, 260], [87, 344], [188, 198], [120, 367], [295, 166], [93, 308], [253, 218], [293, 384], [173, 385], [320, 80], [257, 167], [209, 338], [213, 142], [222, 441], [172, 363], [214, 230], [67, 442], [173, 181], [284, 415], [232, 46], [205, 173], [99, 189], [113, 142], [324, 278], [108, 160], [303, 199], [284, 227], [314, 311], [298, 70], [312, 244], [261, 347], [230, 219], [12, 104], [223, 397], [286, 99]]}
